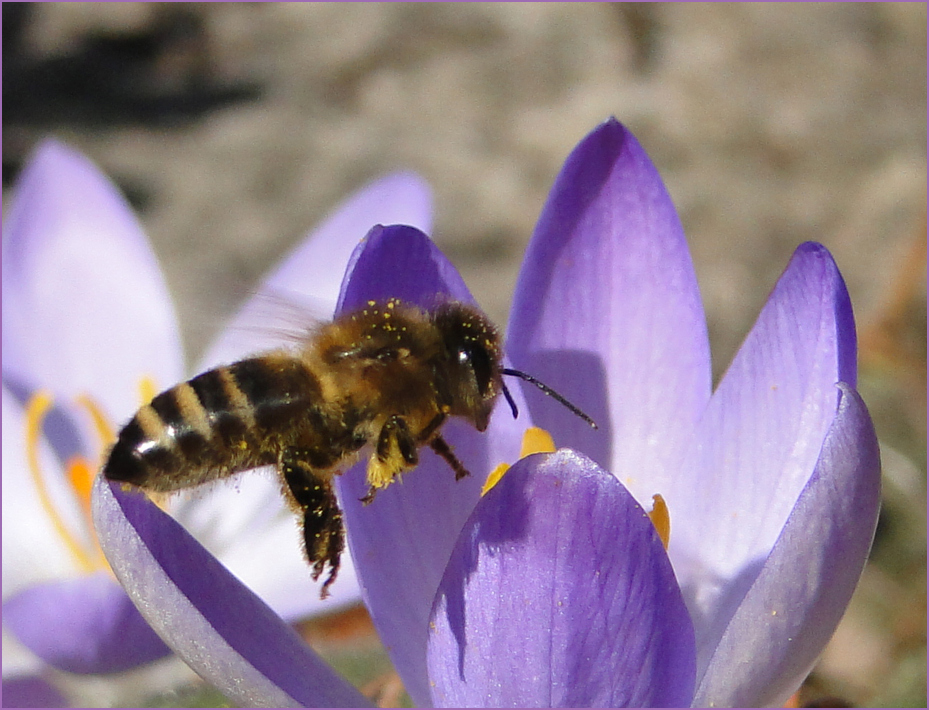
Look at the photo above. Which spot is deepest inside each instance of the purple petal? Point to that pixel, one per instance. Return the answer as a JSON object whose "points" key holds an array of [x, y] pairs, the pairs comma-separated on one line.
{"points": [[559, 594], [760, 438], [217, 625], [400, 262], [31, 692], [401, 542], [78, 273], [82, 625], [306, 285], [607, 312], [790, 612]]}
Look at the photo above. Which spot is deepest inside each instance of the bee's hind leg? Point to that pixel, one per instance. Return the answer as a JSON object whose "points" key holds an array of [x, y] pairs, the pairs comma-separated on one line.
{"points": [[323, 533]]}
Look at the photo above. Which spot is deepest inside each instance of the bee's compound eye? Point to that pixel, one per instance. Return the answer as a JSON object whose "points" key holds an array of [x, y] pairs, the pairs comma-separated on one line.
{"points": [[478, 359]]}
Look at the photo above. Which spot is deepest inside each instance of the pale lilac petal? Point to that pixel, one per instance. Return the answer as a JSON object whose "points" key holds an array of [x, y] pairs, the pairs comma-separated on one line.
{"points": [[82, 625], [607, 311], [306, 285], [218, 626], [74, 621], [85, 309], [540, 607], [28, 524], [760, 439], [401, 542], [17, 659], [794, 605]]}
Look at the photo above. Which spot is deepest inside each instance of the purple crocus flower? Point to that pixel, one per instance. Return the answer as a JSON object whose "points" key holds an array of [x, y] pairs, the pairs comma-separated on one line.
{"points": [[86, 319], [555, 588]]}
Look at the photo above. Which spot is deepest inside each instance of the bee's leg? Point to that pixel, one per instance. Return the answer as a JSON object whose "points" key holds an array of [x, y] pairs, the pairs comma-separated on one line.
{"points": [[432, 427], [323, 535], [395, 450], [441, 447], [396, 428]]}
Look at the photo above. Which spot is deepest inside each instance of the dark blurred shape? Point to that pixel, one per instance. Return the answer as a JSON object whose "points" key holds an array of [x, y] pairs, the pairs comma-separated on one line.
{"points": [[642, 22], [829, 702], [160, 76]]}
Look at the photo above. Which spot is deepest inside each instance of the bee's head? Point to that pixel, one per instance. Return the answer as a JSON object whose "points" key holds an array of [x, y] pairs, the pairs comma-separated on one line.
{"points": [[472, 373], [473, 376]]}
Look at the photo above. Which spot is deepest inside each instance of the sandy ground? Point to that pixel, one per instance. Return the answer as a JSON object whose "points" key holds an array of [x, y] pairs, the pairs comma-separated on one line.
{"points": [[772, 124]]}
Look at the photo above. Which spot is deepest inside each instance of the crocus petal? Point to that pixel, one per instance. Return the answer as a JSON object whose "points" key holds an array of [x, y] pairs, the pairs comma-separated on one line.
{"points": [[217, 625], [759, 440], [541, 606], [31, 692], [17, 659], [73, 621], [28, 524], [399, 261], [309, 279], [607, 311], [401, 542], [82, 625], [804, 586], [85, 309]]}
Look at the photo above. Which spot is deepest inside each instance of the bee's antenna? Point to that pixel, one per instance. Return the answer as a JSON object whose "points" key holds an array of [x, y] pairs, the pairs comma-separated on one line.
{"points": [[547, 390]]}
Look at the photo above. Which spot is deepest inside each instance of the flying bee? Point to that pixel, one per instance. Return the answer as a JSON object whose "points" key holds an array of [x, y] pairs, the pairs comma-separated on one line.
{"points": [[387, 376]]}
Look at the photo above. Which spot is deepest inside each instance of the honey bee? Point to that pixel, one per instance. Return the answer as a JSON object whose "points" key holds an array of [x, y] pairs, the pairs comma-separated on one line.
{"points": [[387, 376]]}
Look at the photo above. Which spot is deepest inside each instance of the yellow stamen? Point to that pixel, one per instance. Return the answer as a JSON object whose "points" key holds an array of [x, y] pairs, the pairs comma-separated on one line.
{"points": [[494, 477], [535, 441], [80, 474], [101, 423], [80, 470], [147, 390], [661, 519], [36, 410]]}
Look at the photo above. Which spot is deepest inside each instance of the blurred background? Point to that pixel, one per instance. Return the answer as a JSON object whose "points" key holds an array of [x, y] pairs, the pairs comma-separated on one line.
{"points": [[235, 127]]}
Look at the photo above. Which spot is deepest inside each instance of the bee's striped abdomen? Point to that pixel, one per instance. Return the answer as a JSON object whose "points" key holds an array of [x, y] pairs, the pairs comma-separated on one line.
{"points": [[215, 424], [279, 391], [230, 410]]}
